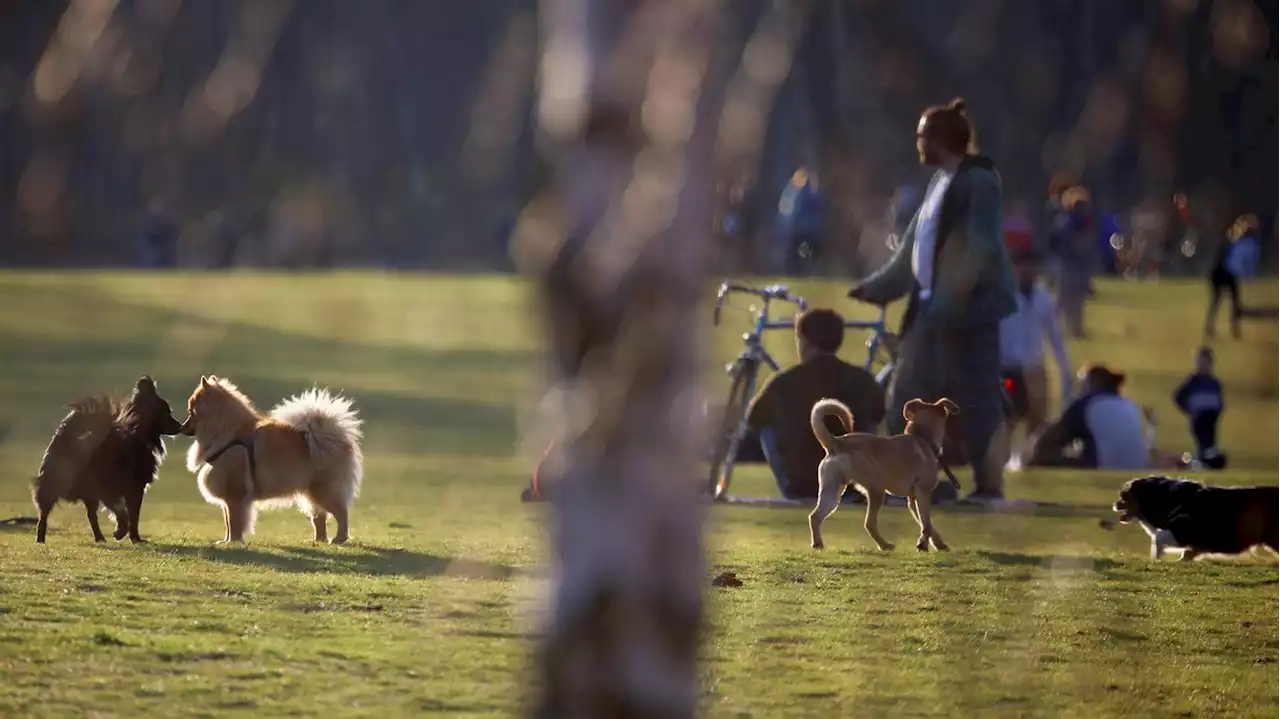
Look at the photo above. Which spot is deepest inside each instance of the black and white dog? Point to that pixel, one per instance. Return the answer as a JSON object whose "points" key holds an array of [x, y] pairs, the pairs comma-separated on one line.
{"points": [[1198, 519]]}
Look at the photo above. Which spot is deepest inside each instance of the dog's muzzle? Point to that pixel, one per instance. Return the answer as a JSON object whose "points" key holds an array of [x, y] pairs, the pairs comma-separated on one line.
{"points": [[1123, 508], [188, 428]]}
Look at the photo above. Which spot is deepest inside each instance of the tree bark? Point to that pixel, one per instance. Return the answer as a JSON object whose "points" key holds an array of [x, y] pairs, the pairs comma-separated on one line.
{"points": [[616, 242]]}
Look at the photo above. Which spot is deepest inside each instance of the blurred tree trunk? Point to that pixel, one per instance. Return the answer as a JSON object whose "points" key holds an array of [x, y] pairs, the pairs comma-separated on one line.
{"points": [[623, 107]]}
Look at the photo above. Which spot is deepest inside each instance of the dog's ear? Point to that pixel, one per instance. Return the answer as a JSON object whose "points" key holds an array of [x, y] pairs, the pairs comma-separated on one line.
{"points": [[204, 381], [911, 407], [145, 385], [947, 406]]}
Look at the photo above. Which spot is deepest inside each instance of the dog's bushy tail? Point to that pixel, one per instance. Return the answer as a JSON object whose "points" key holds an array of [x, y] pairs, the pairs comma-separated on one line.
{"points": [[817, 420], [332, 430], [78, 435]]}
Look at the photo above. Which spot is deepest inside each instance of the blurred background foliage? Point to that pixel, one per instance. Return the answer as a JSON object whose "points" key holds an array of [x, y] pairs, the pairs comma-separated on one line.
{"points": [[398, 133]]}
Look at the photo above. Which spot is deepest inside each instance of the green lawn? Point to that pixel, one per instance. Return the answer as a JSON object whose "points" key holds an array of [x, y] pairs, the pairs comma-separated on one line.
{"points": [[433, 606]]}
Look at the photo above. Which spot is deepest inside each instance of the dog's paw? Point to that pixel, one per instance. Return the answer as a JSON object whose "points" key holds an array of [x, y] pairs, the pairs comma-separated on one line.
{"points": [[922, 545], [887, 547], [817, 545], [139, 540]]}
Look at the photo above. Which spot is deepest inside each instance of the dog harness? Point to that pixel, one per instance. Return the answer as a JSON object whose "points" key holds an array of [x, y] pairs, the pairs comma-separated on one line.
{"points": [[937, 453], [247, 444]]}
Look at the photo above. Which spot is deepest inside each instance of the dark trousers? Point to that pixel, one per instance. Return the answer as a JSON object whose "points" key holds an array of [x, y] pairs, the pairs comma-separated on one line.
{"points": [[1221, 281], [963, 364], [1204, 425]]}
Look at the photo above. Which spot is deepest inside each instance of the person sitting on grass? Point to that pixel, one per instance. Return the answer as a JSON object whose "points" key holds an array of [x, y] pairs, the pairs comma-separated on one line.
{"points": [[779, 414], [1109, 429], [1200, 398]]}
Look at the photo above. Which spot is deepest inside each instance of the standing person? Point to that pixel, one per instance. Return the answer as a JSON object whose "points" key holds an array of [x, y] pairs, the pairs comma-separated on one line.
{"points": [[1200, 398], [953, 266], [800, 222], [1022, 339], [158, 241], [1076, 249], [1237, 259]]}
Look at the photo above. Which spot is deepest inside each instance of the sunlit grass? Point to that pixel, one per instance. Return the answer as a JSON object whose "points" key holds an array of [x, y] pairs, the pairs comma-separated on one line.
{"points": [[432, 608]]}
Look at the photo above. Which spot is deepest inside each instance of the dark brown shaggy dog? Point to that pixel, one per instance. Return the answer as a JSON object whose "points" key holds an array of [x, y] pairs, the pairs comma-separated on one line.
{"points": [[1198, 518], [105, 452]]}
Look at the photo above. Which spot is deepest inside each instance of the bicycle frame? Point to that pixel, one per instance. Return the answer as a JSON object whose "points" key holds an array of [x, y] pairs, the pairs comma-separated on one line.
{"points": [[763, 323]]}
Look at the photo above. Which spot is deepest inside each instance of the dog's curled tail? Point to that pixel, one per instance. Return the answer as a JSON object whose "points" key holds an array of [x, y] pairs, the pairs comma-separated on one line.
{"points": [[73, 443], [331, 426], [817, 420]]}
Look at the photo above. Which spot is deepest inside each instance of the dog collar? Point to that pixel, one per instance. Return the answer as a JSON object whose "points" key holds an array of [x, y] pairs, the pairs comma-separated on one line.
{"points": [[937, 454]]}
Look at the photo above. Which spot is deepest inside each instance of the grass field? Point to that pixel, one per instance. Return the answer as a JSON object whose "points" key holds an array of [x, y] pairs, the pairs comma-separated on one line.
{"points": [[432, 609]]}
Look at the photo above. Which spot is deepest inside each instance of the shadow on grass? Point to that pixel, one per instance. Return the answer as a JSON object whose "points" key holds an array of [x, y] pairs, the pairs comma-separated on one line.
{"points": [[1054, 561], [352, 559], [18, 524]]}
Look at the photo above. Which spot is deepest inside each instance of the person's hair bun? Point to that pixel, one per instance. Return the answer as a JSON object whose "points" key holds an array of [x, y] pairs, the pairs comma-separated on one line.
{"points": [[958, 104]]}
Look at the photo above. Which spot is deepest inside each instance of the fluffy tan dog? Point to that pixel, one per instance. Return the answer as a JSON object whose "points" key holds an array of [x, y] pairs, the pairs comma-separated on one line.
{"points": [[905, 465], [306, 452]]}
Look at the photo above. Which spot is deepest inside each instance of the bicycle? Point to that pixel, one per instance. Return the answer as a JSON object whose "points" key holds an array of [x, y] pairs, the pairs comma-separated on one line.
{"points": [[745, 370]]}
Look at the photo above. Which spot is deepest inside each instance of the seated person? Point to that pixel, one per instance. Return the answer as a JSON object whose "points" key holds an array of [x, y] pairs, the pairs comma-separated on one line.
{"points": [[1110, 428], [780, 413]]}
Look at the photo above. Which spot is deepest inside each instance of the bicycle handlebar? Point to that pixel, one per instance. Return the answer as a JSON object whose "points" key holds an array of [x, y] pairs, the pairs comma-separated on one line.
{"points": [[768, 294]]}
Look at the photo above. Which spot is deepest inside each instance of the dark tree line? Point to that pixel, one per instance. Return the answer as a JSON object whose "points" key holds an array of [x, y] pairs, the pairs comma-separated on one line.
{"points": [[398, 133]]}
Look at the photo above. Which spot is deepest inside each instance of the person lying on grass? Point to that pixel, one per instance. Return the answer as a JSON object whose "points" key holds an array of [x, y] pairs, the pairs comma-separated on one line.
{"points": [[779, 414]]}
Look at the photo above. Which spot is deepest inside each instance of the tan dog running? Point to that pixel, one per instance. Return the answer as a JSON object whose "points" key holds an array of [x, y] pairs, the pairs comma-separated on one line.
{"points": [[905, 465], [306, 452]]}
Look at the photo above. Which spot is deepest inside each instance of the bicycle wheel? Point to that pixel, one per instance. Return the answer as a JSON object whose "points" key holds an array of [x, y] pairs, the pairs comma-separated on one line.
{"points": [[728, 436]]}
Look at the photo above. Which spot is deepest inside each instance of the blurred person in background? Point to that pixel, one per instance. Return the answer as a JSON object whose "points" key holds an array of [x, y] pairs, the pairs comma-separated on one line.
{"points": [[1023, 335], [1019, 233], [158, 241], [1100, 429], [953, 267], [1073, 244], [1236, 260], [798, 239], [1200, 398]]}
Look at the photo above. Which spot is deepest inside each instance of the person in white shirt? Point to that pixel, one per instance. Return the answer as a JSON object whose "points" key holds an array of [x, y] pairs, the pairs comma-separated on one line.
{"points": [[1101, 429], [1022, 339]]}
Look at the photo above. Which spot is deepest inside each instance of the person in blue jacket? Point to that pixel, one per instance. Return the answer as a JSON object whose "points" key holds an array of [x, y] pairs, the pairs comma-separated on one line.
{"points": [[1200, 398]]}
